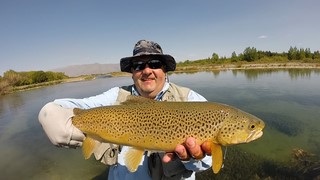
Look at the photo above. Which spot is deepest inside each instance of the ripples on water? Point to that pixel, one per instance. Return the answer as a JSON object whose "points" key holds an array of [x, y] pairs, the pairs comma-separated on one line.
{"points": [[287, 100]]}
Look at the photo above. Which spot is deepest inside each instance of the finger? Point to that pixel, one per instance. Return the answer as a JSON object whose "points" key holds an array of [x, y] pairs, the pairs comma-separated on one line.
{"points": [[206, 147], [77, 135], [168, 157], [182, 153], [194, 149], [74, 143]]}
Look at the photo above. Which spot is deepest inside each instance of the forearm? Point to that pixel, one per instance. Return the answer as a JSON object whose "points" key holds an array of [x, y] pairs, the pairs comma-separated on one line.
{"points": [[105, 99]]}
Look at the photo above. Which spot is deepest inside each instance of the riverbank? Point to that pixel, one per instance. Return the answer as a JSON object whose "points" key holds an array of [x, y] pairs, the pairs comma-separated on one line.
{"points": [[179, 69], [67, 80], [286, 65], [39, 85]]}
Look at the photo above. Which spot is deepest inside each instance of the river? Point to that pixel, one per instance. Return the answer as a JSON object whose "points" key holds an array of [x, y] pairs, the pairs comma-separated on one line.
{"points": [[287, 100]]}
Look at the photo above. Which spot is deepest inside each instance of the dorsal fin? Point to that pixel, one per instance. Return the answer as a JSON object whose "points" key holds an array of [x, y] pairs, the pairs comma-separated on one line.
{"points": [[137, 100]]}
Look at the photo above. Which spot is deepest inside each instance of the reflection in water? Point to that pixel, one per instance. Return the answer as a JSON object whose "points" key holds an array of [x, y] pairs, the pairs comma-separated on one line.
{"points": [[215, 73], [10, 104], [301, 73], [253, 74], [287, 100]]}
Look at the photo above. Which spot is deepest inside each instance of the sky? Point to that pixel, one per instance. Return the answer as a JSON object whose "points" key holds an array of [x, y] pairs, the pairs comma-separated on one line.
{"points": [[48, 34]]}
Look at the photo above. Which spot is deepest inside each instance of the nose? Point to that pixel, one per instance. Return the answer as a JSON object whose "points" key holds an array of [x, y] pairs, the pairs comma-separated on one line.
{"points": [[147, 70]]}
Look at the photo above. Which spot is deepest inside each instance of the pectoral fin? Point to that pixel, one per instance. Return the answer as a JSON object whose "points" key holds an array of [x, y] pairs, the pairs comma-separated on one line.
{"points": [[88, 147], [216, 153], [133, 158]]}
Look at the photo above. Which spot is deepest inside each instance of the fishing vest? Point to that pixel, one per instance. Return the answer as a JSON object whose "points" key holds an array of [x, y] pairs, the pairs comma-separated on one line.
{"points": [[158, 170], [174, 93]]}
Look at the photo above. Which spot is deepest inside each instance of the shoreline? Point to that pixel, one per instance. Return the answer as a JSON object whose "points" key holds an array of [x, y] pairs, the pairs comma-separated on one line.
{"points": [[222, 67], [179, 69]]}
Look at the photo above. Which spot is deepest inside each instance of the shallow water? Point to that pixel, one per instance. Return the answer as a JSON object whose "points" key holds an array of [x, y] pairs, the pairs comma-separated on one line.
{"points": [[287, 100]]}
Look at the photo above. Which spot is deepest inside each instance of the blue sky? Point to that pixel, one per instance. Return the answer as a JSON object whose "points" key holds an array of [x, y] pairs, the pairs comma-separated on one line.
{"points": [[47, 34]]}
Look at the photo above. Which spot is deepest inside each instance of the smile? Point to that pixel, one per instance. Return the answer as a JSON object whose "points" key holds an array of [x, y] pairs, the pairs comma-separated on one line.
{"points": [[148, 79]]}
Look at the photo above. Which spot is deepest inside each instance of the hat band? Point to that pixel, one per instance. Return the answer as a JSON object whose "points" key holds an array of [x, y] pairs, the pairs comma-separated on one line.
{"points": [[145, 51]]}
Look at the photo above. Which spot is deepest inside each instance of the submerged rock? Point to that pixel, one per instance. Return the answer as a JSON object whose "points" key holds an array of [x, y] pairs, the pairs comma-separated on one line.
{"points": [[306, 163], [242, 165]]}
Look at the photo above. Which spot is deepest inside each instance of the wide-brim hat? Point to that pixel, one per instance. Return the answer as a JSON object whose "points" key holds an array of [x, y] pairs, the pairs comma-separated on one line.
{"points": [[148, 48]]}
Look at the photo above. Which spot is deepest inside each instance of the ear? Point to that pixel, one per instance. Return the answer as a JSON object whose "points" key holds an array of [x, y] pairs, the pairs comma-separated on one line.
{"points": [[167, 77]]}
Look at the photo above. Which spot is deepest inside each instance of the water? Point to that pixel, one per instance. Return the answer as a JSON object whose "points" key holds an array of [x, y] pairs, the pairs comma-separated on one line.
{"points": [[287, 100]]}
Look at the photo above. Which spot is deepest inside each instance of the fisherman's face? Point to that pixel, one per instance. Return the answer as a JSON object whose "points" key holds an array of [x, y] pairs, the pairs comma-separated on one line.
{"points": [[148, 76]]}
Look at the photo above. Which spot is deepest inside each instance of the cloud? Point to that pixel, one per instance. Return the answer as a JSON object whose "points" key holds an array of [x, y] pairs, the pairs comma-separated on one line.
{"points": [[263, 37]]}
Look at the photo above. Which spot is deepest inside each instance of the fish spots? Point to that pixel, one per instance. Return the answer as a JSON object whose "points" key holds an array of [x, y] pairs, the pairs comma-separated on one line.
{"points": [[152, 125]]}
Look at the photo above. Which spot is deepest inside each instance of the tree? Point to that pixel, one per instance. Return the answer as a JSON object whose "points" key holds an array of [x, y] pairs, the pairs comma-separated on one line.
{"points": [[316, 55], [39, 77], [301, 54], [234, 57], [52, 76], [12, 77], [308, 53], [215, 57], [250, 54], [292, 53]]}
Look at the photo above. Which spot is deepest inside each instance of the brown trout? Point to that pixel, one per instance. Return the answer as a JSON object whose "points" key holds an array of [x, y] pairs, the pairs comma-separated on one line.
{"points": [[146, 124]]}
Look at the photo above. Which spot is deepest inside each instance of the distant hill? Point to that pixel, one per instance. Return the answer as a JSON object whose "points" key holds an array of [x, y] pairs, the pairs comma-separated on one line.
{"points": [[87, 69]]}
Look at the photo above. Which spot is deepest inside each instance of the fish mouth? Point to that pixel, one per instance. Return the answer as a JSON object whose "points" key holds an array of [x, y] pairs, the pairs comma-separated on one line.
{"points": [[254, 135]]}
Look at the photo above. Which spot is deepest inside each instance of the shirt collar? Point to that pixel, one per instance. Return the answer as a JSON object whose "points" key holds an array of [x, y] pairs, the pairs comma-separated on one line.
{"points": [[159, 95]]}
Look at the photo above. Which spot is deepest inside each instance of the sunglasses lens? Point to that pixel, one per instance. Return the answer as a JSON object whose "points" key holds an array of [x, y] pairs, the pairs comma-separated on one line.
{"points": [[138, 66], [155, 64], [152, 64]]}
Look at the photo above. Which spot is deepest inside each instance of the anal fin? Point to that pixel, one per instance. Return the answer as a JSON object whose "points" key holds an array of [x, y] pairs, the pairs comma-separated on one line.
{"points": [[133, 158], [216, 153]]}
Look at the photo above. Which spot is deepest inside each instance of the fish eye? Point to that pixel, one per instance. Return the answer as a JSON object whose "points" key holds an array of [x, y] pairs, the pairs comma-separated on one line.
{"points": [[252, 126]]}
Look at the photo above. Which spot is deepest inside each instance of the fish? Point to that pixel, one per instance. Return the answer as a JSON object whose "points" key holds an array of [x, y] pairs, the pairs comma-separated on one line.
{"points": [[159, 126]]}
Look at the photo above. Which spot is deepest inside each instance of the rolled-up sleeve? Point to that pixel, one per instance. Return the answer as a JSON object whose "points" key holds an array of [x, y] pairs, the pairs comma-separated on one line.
{"points": [[193, 96], [105, 99]]}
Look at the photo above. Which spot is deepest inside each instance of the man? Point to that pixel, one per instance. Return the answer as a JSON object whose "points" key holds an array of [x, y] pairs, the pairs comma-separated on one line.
{"points": [[149, 67]]}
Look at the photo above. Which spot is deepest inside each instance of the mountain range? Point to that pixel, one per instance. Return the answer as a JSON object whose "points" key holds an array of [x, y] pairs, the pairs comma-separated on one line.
{"points": [[87, 69]]}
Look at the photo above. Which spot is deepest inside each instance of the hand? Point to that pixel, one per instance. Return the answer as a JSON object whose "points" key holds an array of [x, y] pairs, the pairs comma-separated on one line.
{"points": [[190, 149], [57, 124]]}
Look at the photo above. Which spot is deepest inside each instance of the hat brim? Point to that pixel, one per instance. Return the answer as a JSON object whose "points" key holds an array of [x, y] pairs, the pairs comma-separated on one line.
{"points": [[169, 61]]}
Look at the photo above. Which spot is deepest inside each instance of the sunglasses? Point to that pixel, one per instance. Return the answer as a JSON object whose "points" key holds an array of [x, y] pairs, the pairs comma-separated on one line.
{"points": [[152, 64]]}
